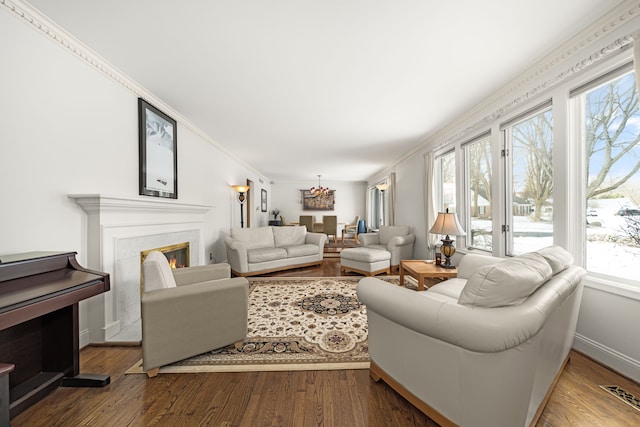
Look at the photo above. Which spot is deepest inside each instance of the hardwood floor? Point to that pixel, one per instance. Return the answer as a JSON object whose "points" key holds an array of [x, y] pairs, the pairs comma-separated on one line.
{"points": [[306, 398]]}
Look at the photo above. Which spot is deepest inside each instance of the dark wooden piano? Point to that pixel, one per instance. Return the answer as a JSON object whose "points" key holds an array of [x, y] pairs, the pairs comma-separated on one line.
{"points": [[39, 331]]}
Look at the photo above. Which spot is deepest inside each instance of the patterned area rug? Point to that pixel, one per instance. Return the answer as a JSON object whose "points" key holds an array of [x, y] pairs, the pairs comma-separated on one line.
{"points": [[294, 324]]}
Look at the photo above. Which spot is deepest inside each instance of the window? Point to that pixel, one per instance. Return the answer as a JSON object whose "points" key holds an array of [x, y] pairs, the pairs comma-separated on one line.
{"points": [[478, 175], [610, 136], [378, 210], [529, 166], [446, 181]]}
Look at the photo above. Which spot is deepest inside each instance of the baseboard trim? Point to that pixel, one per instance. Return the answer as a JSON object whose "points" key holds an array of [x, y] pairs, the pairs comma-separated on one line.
{"points": [[612, 359]]}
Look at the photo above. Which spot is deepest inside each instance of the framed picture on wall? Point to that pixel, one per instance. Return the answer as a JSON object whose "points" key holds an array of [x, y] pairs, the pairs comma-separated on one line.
{"points": [[263, 200], [158, 152], [323, 202]]}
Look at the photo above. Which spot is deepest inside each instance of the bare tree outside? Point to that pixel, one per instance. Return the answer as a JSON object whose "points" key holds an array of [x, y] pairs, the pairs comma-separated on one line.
{"points": [[480, 177], [610, 140], [479, 174], [533, 139], [612, 193]]}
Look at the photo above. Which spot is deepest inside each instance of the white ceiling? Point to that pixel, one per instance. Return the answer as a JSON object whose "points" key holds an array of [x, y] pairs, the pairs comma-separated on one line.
{"points": [[297, 88]]}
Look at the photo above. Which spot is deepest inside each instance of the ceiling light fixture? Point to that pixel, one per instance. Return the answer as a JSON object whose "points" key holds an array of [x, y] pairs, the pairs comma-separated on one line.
{"points": [[319, 190]]}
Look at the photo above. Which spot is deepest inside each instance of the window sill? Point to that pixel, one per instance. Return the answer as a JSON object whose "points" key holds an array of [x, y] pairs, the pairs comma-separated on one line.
{"points": [[608, 285]]}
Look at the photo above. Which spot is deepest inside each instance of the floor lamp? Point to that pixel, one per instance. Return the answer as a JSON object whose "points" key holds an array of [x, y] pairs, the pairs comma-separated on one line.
{"points": [[241, 189]]}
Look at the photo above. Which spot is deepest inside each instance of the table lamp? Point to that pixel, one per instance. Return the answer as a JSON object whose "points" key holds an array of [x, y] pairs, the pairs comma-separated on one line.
{"points": [[447, 224]]}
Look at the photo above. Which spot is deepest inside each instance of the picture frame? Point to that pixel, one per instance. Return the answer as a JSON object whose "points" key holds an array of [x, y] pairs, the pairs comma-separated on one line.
{"points": [[263, 200], [325, 202], [158, 152]]}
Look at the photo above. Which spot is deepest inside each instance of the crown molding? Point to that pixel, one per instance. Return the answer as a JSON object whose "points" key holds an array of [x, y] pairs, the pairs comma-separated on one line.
{"points": [[540, 78], [589, 47], [38, 21]]}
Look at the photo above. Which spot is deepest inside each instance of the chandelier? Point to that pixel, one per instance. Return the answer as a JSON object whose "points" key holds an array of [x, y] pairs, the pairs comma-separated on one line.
{"points": [[319, 190]]}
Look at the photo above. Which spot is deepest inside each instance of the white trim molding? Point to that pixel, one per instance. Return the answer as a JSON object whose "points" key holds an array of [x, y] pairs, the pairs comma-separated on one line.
{"points": [[608, 356]]}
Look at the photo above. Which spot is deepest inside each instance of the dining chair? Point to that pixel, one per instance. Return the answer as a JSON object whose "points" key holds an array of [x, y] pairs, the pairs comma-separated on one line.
{"points": [[307, 221], [351, 229], [330, 226]]}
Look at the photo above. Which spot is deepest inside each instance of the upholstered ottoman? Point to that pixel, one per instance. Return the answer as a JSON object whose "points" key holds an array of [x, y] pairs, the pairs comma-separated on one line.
{"points": [[365, 261]]}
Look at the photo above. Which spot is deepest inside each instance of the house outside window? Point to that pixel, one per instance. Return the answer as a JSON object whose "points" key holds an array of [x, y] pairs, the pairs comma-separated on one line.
{"points": [[446, 182], [478, 175], [529, 165], [608, 111]]}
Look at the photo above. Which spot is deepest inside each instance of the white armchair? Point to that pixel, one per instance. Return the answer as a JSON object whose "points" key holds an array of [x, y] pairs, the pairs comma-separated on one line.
{"points": [[189, 311], [396, 239]]}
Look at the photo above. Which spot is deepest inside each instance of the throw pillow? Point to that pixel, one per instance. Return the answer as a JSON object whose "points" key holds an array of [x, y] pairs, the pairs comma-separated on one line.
{"points": [[508, 282], [557, 257]]}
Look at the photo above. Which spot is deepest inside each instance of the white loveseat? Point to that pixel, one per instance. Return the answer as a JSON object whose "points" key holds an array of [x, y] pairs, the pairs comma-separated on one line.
{"points": [[483, 349], [259, 250]]}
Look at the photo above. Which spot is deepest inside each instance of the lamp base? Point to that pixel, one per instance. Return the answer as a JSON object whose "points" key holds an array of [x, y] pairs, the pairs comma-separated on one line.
{"points": [[447, 249]]}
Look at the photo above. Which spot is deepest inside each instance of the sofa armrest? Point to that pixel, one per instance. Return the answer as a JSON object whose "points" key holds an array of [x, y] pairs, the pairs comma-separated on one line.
{"points": [[188, 320], [201, 273], [401, 241], [236, 255], [318, 239], [368, 239]]}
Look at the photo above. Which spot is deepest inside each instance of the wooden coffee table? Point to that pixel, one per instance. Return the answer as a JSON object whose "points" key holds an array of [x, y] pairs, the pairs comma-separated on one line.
{"points": [[419, 270]]}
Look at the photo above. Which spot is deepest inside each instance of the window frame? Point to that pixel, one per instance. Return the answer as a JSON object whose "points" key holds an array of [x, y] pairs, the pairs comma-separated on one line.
{"points": [[466, 190], [577, 107], [568, 158], [507, 151]]}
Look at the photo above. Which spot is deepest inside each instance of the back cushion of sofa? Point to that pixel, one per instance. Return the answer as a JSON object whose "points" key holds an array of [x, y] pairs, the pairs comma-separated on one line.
{"points": [[289, 236], [508, 282], [557, 257], [387, 232], [471, 262], [252, 238]]}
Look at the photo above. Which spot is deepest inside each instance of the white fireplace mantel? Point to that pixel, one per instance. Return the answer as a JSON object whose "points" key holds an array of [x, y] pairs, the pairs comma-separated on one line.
{"points": [[117, 229], [100, 203]]}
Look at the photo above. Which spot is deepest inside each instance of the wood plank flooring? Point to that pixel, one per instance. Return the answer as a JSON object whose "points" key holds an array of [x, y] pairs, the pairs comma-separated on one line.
{"points": [[308, 398]]}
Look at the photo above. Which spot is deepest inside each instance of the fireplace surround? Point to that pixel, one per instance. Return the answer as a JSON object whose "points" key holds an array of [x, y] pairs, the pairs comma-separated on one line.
{"points": [[117, 231], [178, 254]]}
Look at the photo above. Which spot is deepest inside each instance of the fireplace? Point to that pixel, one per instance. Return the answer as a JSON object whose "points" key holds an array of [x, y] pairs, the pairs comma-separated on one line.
{"points": [[178, 255], [118, 231]]}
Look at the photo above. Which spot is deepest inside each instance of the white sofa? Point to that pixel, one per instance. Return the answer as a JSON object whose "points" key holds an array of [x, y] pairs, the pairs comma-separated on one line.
{"points": [[259, 250], [483, 349]]}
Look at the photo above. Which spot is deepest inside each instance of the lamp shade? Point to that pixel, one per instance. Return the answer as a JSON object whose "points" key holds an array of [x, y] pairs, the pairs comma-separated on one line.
{"points": [[241, 188], [447, 224]]}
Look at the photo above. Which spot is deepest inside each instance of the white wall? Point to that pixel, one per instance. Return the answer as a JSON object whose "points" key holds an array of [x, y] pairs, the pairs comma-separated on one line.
{"points": [[68, 128], [608, 312], [349, 200]]}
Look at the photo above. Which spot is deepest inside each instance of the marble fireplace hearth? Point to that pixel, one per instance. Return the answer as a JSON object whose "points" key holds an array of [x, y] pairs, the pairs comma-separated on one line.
{"points": [[118, 230]]}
